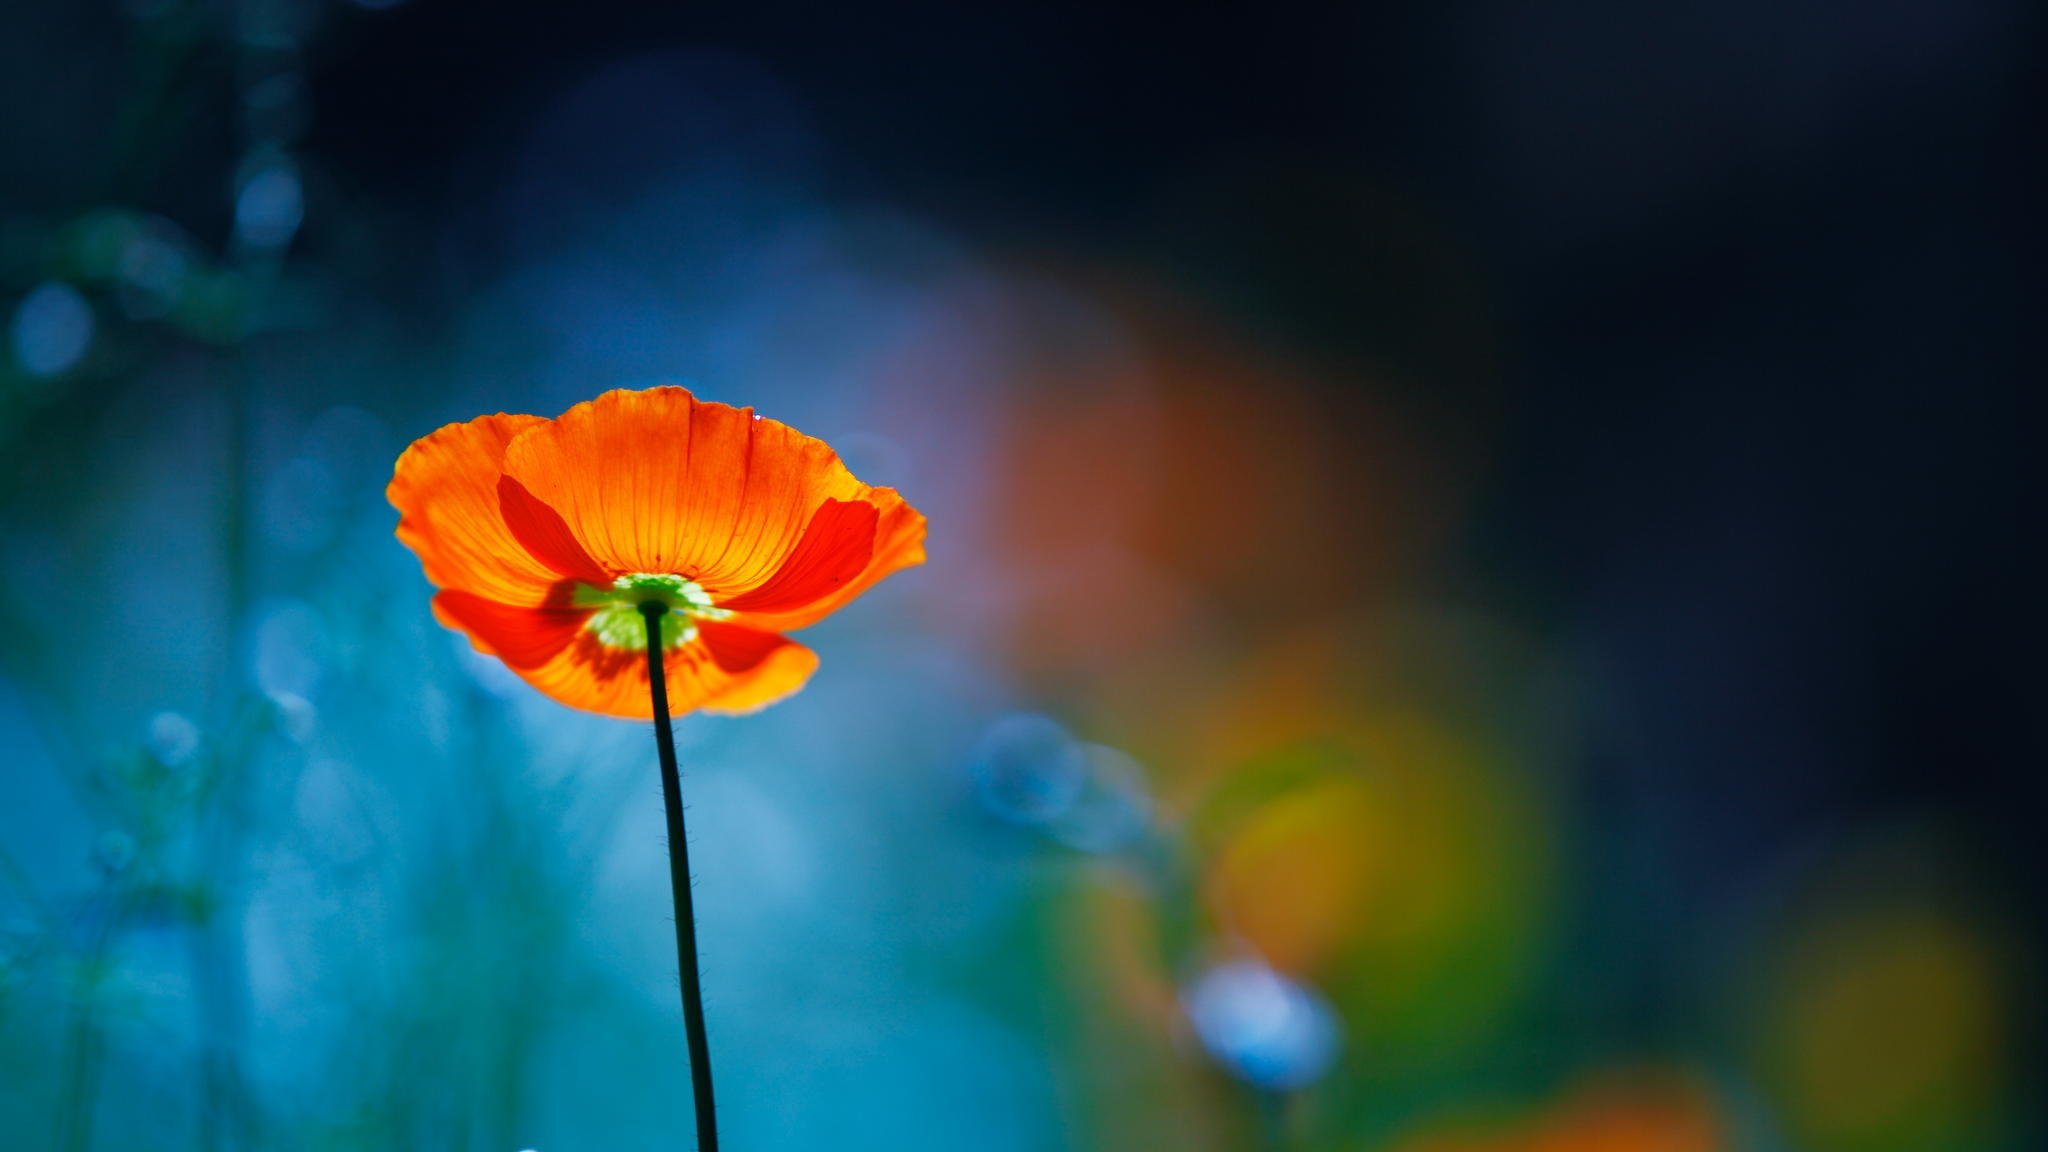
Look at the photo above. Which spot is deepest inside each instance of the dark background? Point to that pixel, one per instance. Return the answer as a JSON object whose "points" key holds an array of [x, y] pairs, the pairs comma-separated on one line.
{"points": [[1723, 316], [1758, 285]]}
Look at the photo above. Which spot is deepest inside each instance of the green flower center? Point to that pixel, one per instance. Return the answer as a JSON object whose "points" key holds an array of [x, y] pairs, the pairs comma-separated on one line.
{"points": [[618, 622]]}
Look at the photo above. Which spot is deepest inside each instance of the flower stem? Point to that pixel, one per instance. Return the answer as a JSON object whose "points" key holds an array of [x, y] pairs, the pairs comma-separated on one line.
{"points": [[679, 880], [1272, 1117]]}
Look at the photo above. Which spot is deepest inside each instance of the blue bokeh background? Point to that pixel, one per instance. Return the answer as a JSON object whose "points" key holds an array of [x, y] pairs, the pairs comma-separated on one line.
{"points": [[1477, 587]]}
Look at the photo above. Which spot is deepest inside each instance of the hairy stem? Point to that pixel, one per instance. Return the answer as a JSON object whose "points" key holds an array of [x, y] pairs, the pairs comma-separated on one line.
{"points": [[679, 880]]}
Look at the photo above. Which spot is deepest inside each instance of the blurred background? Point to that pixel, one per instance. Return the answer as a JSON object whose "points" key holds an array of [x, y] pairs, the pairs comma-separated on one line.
{"points": [[1478, 597]]}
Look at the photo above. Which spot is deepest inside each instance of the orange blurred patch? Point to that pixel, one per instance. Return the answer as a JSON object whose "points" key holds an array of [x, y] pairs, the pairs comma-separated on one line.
{"points": [[1412, 852], [1656, 1112], [1635, 1111], [1184, 486], [1302, 880]]}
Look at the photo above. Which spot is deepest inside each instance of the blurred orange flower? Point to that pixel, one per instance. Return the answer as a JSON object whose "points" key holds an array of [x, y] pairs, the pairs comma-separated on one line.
{"points": [[1639, 1112], [1647, 1110], [545, 537]]}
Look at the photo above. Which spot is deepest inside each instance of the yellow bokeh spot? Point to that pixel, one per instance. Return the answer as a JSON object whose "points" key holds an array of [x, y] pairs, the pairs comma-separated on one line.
{"points": [[1889, 1033], [1298, 881], [1407, 876]]}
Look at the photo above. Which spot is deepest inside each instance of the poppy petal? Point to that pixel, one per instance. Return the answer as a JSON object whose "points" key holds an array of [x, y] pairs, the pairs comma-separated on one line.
{"points": [[657, 481], [834, 549], [542, 532], [898, 544], [521, 637], [445, 488], [725, 669], [528, 527], [761, 667]]}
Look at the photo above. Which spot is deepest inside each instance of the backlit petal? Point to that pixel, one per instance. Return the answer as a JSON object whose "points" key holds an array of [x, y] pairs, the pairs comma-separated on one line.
{"points": [[833, 550], [898, 544], [726, 669], [531, 527], [445, 488], [521, 637], [757, 668], [542, 532], [657, 481]]}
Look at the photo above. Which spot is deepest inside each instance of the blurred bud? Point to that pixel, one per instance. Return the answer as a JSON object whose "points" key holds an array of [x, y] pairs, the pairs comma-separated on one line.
{"points": [[173, 740], [1028, 770], [1112, 811], [295, 716], [153, 270], [290, 646], [53, 327], [270, 204], [114, 852], [1268, 1030]]}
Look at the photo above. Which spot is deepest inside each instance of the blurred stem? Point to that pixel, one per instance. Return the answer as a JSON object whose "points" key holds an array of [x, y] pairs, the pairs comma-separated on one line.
{"points": [[78, 1098], [679, 881], [157, 102], [1272, 1115], [225, 1118], [17, 878]]}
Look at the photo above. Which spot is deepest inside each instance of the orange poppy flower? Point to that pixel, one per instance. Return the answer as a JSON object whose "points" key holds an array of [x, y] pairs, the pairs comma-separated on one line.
{"points": [[545, 536]]}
